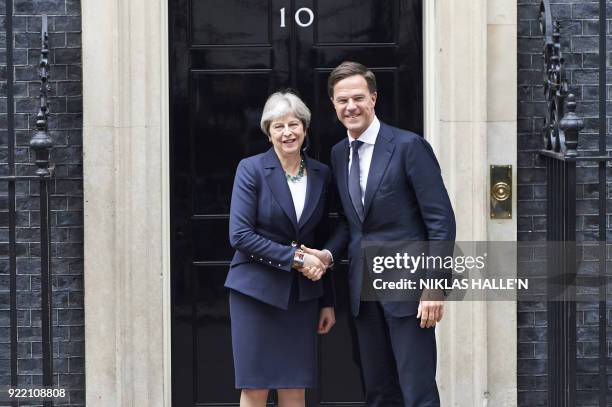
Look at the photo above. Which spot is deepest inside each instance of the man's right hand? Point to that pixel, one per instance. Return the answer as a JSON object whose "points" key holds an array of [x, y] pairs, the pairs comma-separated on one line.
{"points": [[313, 268], [322, 255]]}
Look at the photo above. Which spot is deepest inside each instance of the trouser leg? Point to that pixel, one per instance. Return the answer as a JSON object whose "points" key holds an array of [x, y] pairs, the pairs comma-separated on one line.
{"points": [[414, 351], [377, 358]]}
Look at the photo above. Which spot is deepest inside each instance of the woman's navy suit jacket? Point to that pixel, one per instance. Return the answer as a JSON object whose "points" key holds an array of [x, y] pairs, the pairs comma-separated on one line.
{"points": [[263, 225]]}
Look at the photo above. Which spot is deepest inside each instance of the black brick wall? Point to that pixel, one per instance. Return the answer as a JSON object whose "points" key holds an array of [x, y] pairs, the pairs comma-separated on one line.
{"points": [[66, 200], [580, 45]]}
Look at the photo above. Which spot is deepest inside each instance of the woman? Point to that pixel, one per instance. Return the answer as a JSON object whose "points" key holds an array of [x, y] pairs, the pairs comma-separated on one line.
{"points": [[278, 300]]}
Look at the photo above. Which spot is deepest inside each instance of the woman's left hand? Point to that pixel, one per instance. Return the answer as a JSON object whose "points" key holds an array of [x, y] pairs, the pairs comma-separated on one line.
{"points": [[327, 319]]}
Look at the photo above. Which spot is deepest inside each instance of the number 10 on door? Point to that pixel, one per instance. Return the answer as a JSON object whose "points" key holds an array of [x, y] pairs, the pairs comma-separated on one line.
{"points": [[299, 17]]}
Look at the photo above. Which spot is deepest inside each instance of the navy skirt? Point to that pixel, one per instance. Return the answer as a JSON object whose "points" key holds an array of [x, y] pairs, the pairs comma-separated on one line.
{"points": [[274, 348]]}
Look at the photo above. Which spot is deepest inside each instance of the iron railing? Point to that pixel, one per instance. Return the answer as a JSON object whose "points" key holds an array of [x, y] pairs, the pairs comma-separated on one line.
{"points": [[560, 153], [41, 143]]}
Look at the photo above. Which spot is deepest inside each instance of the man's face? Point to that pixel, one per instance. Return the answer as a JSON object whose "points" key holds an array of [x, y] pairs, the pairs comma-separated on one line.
{"points": [[354, 104]]}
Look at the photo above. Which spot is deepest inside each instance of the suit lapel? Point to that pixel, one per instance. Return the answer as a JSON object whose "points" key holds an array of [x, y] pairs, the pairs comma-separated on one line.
{"points": [[275, 176], [342, 169], [383, 150], [314, 187]]}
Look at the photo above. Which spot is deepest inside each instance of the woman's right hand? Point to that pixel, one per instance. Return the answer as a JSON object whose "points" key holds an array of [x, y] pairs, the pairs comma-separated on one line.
{"points": [[313, 268]]}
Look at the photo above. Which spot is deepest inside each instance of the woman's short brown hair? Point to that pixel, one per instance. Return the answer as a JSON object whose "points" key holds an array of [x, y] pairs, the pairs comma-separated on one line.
{"points": [[350, 68]]}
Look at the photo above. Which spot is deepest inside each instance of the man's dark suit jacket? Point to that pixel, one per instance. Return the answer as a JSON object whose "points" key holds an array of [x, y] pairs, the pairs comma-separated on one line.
{"points": [[405, 200], [263, 225]]}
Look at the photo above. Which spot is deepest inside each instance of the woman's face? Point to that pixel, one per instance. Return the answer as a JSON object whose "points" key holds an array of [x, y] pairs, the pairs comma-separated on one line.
{"points": [[287, 134]]}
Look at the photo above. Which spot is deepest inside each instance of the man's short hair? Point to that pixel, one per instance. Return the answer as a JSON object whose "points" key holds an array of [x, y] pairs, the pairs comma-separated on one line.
{"points": [[350, 68]]}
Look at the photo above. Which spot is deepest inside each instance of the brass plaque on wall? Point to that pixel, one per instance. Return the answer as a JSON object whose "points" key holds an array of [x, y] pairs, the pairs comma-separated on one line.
{"points": [[501, 191]]}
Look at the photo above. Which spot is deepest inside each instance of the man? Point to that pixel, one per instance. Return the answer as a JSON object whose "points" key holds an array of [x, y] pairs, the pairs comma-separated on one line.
{"points": [[391, 189]]}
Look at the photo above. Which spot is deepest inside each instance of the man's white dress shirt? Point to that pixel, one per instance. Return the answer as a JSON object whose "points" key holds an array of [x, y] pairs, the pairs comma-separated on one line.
{"points": [[368, 137]]}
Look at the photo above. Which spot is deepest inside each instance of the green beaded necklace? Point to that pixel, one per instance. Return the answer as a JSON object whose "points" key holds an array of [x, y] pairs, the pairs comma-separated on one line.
{"points": [[300, 173]]}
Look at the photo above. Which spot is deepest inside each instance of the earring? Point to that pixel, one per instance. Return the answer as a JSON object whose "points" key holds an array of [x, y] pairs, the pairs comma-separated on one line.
{"points": [[306, 143]]}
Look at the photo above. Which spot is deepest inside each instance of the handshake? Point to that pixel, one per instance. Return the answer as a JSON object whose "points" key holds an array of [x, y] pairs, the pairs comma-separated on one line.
{"points": [[315, 262]]}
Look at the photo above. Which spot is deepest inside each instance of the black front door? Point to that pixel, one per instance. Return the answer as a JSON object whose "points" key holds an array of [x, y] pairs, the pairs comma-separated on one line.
{"points": [[226, 57]]}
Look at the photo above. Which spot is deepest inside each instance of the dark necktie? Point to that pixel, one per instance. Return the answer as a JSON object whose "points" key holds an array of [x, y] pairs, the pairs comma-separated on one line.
{"points": [[353, 181]]}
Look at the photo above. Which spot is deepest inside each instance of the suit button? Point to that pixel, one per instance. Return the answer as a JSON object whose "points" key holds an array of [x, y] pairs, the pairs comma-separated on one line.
{"points": [[294, 243]]}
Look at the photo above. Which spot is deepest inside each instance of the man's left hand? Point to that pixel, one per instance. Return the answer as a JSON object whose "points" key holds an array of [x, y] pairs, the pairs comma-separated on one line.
{"points": [[431, 309]]}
